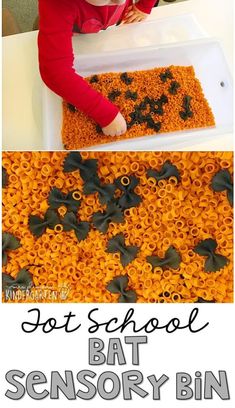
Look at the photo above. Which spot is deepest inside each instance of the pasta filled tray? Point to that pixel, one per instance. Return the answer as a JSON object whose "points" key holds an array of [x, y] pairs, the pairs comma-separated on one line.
{"points": [[184, 75], [154, 101]]}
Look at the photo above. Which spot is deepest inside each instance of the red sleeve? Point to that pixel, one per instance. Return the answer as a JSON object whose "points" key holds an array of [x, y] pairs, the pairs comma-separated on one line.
{"points": [[56, 62], [146, 5]]}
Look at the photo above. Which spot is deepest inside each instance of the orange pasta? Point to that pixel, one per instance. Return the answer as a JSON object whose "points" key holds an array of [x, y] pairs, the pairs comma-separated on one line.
{"points": [[152, 101], [179, 212]]}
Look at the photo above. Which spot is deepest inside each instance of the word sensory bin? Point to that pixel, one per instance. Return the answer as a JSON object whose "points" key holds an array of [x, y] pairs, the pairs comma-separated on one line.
{"points": [[146, 227], [126, 385]]}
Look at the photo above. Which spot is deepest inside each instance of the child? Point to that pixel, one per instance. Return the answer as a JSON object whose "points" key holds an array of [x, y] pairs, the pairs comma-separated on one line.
{"points": [[57, 19]]}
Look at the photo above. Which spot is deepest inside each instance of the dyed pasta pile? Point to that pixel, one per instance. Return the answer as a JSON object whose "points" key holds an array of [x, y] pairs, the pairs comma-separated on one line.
{"points": [[124, 226], [152, 101]]}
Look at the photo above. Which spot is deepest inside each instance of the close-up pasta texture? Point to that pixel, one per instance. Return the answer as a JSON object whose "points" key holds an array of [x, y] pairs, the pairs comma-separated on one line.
{"points": [[117, 227], [152, 101]]}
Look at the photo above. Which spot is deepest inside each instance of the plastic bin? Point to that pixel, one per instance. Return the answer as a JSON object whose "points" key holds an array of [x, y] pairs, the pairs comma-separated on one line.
{"points": [[207, 58]]}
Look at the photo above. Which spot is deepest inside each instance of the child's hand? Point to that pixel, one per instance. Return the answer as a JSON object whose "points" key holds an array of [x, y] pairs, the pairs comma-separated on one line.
{"points": [[134, 15], [117, 127]]}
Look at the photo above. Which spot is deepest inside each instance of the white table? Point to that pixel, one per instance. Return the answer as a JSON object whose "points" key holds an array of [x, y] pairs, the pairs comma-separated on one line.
{"points": [[22, 85]]}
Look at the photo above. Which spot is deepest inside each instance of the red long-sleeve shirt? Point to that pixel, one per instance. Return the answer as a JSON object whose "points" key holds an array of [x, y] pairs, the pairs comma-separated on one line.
{"points": [[56, 22]]}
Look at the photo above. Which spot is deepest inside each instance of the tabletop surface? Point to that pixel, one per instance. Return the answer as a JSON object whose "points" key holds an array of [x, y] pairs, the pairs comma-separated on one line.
{"points": [[22, 85]]}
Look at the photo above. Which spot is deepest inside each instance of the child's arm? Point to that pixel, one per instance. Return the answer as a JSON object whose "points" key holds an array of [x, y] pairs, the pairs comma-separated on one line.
{"points": [[139, 11], [56, 63]]}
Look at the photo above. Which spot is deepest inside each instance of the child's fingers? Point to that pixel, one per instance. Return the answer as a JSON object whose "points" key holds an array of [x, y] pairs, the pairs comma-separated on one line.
{"points": [[138, 19], [133, 15], [124, 21], [117, 127], [132, 19], [129, 10], [128, 15]]}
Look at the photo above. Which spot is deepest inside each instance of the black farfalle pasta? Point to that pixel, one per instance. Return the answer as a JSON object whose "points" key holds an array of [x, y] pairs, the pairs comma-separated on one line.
{"points": [[105, 191], [9, 243], [57, 198], [171, 260], [127, 253], [113, 213], [4, 177], [23, 281], [173, 89], [186, 105], [167, 74], [167, 170], [222, 181], [119, 286], [129, 198], [214, 262], [38, 225], [87, 168], [81, 228]]}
